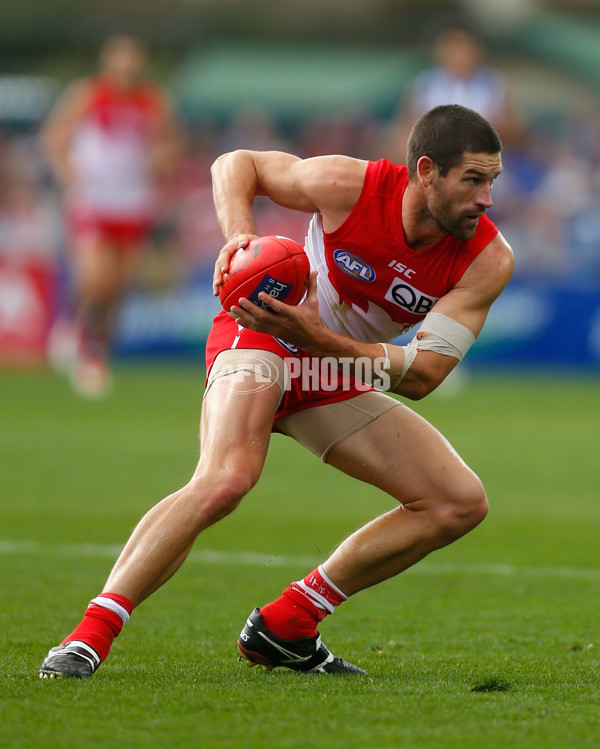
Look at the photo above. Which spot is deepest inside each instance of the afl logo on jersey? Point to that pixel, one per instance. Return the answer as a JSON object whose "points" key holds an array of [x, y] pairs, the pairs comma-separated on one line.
{"points": [[353, 266]]}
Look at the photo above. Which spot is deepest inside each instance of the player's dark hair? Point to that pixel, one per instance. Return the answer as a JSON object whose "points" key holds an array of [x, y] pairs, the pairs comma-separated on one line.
{"points": [[445, 133]]}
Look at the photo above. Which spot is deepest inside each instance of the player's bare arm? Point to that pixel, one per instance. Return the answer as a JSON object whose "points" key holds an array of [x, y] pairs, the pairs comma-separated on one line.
{"points": [[469, 302], [467, 305], [328, 184], [167, 142], [58, 130]]}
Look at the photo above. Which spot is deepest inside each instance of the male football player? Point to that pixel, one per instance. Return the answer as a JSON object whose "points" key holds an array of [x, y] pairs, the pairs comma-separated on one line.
{"points": [[111, 140], [390, 246]]}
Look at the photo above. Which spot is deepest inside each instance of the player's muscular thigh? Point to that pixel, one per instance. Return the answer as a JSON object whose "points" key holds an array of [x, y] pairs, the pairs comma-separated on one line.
{"points": [[405, 456]]}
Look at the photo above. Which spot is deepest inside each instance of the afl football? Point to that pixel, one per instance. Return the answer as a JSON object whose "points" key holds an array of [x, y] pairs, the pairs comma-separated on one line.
{"points": [[273, 264]]}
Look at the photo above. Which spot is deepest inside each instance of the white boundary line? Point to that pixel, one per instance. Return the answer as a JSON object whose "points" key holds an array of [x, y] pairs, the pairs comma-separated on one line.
{"points": [[256, 559]]}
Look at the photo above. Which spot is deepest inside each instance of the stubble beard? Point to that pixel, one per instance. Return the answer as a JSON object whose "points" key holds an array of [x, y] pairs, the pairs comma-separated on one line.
{"points": [[451, 225]]}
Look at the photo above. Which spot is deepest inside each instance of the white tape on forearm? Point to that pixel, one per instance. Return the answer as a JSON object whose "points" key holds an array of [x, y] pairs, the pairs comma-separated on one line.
{"points": [[445, 336], [393, 367], [410, 354], [386, 353]]}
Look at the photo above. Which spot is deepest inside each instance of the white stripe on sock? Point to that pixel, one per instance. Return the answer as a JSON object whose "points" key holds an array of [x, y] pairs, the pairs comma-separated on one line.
{"points": [[108, 603], [320, 601], [331, 585]]}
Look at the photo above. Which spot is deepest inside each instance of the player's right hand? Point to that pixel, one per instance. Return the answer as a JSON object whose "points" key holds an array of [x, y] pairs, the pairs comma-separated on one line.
{"points": [[227, 252]]}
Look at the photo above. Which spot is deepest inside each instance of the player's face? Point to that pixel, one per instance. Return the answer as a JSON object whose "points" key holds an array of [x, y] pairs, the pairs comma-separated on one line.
{"points": [[124, 62], [458, 200]]}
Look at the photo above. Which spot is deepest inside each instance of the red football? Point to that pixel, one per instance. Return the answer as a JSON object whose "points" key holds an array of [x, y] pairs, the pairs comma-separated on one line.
{"points": [[273, 264]]}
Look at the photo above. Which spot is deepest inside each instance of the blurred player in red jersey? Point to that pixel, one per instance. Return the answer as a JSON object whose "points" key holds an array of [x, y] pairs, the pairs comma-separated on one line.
{"points": [[390, 246], [111, 140]]}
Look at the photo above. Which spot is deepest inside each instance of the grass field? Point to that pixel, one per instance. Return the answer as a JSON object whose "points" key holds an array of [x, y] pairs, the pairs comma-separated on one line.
{"points": [[493, 642]]}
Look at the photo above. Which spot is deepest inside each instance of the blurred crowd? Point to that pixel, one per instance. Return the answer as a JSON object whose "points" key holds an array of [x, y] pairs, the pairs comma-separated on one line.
{"points": [[546, 201]]}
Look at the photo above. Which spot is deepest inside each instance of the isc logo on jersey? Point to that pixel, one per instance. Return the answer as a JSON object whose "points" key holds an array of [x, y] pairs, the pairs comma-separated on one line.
{"points": [[409, 298], [353, 265]]}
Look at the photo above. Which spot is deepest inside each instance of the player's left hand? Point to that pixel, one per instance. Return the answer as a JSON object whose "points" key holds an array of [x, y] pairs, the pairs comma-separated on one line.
{"points": [[227, 252], [299, 324]]}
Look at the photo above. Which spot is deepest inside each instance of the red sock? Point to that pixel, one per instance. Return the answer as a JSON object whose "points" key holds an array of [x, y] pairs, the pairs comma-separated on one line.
{"points": [[103, 620], [300, 608]]}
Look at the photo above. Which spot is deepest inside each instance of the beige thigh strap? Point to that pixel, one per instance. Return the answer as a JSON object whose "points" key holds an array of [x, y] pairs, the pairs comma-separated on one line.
{"points": [[254, 367], [323, 427]]}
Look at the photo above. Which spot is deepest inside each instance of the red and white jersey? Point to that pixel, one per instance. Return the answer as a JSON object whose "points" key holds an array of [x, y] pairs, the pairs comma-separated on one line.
{"points": [[111, 150], [372, 286]]}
